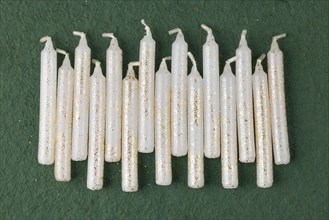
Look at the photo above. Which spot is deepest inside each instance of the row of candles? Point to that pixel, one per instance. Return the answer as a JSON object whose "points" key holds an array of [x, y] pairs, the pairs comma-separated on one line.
{"points": [[173, 114]]}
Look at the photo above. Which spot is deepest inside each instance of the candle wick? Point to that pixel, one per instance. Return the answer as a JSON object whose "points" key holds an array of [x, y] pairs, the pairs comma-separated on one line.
{"points": [[62, 52], [79, 33], [96, 62], [243, 41], [147, 28], [260, 59], [45, 39], [190, 55], [206, 28], [175, 30], [109, 35]]}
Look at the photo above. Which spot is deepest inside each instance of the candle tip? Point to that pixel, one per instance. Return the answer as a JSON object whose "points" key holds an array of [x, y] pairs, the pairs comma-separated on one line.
{"points": [[79, 33], [45, 38], [109, 35], [166, 58], [62, 52], [244, 33], [147, 28], [279, 36], [190, 55], [231, 60], [175, 30], [96, 62], [260, 59], [134, 63], [206, 28]]}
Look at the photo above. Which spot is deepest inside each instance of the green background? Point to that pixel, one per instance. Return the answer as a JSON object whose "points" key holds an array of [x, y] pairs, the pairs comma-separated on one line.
{"points": [[300, 190]]}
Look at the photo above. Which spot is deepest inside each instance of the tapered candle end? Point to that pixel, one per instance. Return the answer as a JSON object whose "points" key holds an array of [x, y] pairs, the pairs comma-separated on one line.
{"points": [[45, 39], [109, 35], [178, 31], [96, 62], [243, 41], [130, 72], [228, 63], [163, 62], [190, 55], [147, 28], [275, 39], [210, 35]]}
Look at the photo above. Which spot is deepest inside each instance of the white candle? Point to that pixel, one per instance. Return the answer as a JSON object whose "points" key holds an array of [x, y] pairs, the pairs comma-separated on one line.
{"points": [[81, 99], [195, 127], [244, 102], [211, 96], [64, 120], [264, 162], [278, 103], [95, 172], [229, 157], [179, 95], [163, 172], [146, 93], [129, 163], [113, 100], [48, 77]]}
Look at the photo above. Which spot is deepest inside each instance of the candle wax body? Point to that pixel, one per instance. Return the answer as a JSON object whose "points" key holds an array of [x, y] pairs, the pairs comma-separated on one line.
{"points": [[146, 95], [211, 99], [64, 122], [113, 102], [47, 128], [163, 172], [178, 97], [96, 130], [244, 104], [229, 158], [81, 101], [129, 161], [195, 130], [278, 105], [264, 162]]}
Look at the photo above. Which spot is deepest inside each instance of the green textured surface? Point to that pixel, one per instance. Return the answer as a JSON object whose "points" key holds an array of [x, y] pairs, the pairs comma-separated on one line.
{"points": [[300, 190]]}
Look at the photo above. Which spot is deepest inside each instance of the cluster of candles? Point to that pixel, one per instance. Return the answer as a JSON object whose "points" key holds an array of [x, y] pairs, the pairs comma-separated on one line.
{"points": [[238, 117]]}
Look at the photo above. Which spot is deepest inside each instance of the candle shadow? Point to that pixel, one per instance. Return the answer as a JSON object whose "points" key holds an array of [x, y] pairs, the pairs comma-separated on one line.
{"points": [[212, 171], [112, 174], [247, 174], [146, 170], [179, 170]]}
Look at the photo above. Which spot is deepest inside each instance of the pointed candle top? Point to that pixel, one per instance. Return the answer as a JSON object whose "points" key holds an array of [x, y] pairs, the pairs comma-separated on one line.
{"points": [[82, 36], [275, 40], [114, 41], [96, 62], [228, 63], [163, 63], [147, 28], [190, 55], [259, 62], [66, 60], [47, 39], [243, 41], [130, 72], [98, 69], [178, 31], [210, 35]]}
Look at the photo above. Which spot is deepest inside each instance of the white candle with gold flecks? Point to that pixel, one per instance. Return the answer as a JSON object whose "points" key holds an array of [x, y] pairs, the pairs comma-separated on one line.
{"points": [[129, 163], [195, 174], [146, 92], [48, 83], [278, 103], [244, 102], [264, 161], [82, 62], [211, 96], [163, 171], [95, 172], [62, 167], [178, 94], [229, 151], [113, 100]]}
